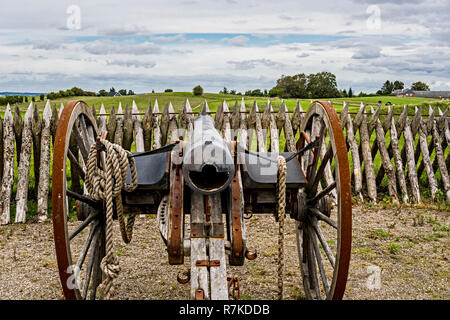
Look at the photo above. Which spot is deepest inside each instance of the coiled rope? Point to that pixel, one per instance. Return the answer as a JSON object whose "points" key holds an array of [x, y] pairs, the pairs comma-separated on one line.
{"points": [[107, 184], [281, 208]]}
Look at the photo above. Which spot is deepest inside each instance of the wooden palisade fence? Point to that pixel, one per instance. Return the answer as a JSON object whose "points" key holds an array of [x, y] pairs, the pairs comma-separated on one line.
{"points": [[404, 143]]}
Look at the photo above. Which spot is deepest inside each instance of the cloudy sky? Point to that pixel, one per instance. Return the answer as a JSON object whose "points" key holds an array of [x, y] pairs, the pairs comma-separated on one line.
{"points": [[150, 44]]}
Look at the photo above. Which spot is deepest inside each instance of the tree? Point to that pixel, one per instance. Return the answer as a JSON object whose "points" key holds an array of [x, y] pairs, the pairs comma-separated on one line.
{"points": [[344, 94], [257, 93], [322, 85], [103, 93], [398, 85], [197, 91], [291, 86], [168, 90], [350, 93], [41, 97], [153, 90], [26, 99], [387, 88], [225, 90], [420, 86], [233, 92], [131, 92], [123, 92], [33, 99], [112, 90]]}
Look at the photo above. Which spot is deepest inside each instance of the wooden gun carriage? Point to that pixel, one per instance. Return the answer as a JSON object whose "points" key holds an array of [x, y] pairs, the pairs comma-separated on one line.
{"points": [[215, 181]]}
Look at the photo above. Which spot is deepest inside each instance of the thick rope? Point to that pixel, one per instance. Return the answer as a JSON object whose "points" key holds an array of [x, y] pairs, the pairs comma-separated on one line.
{"points": [[107, 184], [281, 208]]}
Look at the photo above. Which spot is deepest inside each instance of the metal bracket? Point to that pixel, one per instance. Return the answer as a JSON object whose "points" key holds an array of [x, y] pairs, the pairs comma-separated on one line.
{"points": [[199, 294], [207, 263], [175, 238]]}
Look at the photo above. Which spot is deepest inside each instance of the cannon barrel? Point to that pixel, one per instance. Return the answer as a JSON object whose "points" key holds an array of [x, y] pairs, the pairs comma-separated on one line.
{"points": [[208, 166]]}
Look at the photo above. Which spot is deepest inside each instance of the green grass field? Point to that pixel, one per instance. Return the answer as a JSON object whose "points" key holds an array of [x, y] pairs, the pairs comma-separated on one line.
{"points": [[214, 100]]}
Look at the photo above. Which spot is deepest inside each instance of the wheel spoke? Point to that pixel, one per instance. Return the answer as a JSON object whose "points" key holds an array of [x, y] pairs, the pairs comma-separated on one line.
{"points": [[81, 144], [313, 279], [324, 244], [313, 183], [87, 245], [83, 198], [84, 129], [85, 223], [323, 193], [76, 164], [90, 265], [323, 217], [317, 153], [319, 260]]}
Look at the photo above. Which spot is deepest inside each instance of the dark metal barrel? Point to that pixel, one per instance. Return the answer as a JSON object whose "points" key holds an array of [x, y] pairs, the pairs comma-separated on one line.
{"points": [[208, 166]]}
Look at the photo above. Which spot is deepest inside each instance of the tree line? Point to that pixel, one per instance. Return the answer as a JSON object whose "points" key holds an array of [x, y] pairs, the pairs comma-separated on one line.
{"points": [[78, 92], [321, 85]]}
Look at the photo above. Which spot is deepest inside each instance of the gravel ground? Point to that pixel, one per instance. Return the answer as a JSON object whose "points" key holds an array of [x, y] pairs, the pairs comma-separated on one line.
{"points": [[410, 245]]}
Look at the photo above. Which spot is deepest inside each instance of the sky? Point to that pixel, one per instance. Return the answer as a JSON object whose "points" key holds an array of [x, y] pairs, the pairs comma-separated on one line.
{"points": [[147, 45]]}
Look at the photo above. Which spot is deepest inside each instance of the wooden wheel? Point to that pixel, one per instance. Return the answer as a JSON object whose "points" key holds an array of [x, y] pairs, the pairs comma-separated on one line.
{"points": [[80, 245], [324, 228]]}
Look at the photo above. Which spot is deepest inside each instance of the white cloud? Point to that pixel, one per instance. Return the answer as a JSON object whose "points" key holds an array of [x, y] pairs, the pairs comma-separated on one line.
{"points": [[238, 41], [132, 63], [103, 47]]}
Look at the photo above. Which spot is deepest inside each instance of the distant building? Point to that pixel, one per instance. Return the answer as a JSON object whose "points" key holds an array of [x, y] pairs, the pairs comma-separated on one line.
{"points": [[444, 95], [114, 94]]}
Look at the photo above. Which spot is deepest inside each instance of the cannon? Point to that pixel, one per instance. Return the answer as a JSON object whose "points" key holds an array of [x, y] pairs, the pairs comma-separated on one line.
{"points": [[216, 181]]}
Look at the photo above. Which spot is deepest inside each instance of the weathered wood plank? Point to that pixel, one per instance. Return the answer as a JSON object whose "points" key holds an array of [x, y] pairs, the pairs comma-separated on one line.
{"points": [[199, 275], [297, 117], [18, 127], [368, 162], [218, 119], [137, 128], [218, 275], [235, 119], [157, 136], [172, 130], [112, 124], [355, 158], [118, 134], [389, 169], [288, 133], [226, 126], [441, 162], [398, 162], [412, 173], [189, 120], [164, 126], [269, 124], [24, 167], [36, 128], [243, 134], [44, 166], [423, 147], [147, 127], [8, 167], [54, 122], [102, 121], [128, 128]]}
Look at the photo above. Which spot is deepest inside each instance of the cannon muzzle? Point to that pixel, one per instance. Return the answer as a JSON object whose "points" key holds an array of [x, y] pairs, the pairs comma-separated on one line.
{"points": [[208, 166]]}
